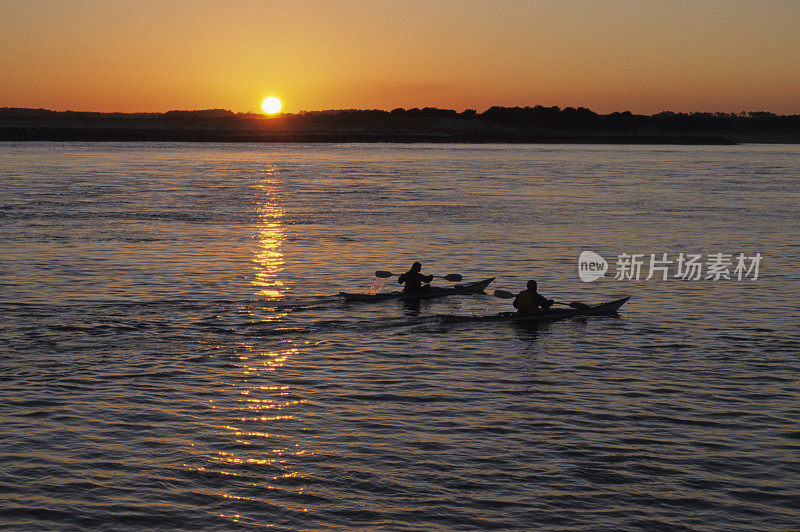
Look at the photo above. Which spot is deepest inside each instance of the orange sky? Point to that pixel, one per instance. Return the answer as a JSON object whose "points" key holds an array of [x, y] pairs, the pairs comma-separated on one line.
{"points": [[640, 55]]}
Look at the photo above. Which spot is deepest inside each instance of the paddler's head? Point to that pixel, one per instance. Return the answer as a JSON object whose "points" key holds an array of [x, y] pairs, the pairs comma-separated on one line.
{"points": [[416, 267], [532, 285]]}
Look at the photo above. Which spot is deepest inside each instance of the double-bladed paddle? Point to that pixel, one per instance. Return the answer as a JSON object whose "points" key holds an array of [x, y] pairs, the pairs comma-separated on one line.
{"points": [[452, 277], [502, 294]]}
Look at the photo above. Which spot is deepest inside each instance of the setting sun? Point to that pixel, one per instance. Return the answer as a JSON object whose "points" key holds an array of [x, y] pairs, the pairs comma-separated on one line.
{"points": [[271, 105]]}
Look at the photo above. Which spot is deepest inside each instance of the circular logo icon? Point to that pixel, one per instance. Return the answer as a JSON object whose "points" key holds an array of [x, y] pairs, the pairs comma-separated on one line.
{"points": [[591, 266]]}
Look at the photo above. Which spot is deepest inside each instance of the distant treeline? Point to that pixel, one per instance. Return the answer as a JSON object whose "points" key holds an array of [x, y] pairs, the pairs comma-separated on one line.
{"points": [[22, 112], [581, 118], [522, 120]]}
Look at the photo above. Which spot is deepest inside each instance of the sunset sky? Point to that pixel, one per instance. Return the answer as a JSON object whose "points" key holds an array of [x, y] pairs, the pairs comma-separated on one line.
{"points": [[638, 55]]}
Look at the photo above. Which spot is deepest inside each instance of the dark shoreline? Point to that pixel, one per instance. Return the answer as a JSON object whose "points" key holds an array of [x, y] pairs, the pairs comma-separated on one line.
{"points": [[58, 134], [516, 125]]}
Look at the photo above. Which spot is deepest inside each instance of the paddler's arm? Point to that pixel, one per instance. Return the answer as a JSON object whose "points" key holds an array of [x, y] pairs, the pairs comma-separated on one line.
{"points": [[427, 278], [543, 301]]}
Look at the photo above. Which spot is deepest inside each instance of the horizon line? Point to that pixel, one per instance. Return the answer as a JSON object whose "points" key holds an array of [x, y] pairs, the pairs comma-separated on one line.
{"points": [[333, 110]]}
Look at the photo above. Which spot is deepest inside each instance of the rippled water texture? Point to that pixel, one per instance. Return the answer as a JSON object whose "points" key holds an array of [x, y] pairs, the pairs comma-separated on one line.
{"points": [[151, 377]]}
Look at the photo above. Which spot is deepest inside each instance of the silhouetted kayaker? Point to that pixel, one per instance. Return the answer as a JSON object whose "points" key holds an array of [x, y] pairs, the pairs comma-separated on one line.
{"points": [[413, 279], [530, 301]]}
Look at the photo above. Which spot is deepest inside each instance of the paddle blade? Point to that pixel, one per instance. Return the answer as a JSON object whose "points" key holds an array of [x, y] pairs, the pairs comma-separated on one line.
{"points": [[578, 305], [454, 277], [502, 294], [383, 274]]}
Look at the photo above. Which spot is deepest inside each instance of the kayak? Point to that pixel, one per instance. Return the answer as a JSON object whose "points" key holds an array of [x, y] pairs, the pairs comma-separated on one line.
{"points": [[600, 309], [434, 291]]}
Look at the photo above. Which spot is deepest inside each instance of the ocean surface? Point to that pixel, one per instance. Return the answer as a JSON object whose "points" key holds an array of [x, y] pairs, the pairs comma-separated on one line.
{"points": [[173, 354]]}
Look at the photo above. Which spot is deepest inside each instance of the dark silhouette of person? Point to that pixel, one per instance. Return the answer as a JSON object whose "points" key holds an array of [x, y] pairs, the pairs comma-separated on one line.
{"points": [[530, 301], [414, 280]]}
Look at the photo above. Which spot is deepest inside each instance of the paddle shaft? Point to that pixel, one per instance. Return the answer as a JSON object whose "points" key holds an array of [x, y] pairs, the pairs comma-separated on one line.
{"points": [[453, 277]]}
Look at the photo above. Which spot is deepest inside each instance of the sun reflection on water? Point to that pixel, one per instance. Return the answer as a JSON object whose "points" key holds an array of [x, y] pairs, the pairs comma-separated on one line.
{"points": [[269, 259], [255, 449]]}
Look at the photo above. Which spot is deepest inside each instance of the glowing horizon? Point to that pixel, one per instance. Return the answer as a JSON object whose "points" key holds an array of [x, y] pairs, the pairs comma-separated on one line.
{"points": [[471, 54]]}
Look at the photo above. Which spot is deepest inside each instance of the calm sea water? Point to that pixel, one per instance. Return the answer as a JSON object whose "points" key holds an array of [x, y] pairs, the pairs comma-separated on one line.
{"points": [[150, 378]]}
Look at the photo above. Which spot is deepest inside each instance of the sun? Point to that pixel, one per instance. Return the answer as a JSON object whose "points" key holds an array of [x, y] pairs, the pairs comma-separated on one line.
{"points": [[271, 105]]}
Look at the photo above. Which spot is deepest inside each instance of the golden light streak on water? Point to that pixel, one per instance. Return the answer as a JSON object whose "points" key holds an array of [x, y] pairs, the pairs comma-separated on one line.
{"points": [[269, 260], [256, 397], [253, 434]]}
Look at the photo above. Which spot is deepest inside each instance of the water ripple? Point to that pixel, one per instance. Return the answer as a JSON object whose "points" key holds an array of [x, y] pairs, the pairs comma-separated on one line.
{"points": [[173, 355]]}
